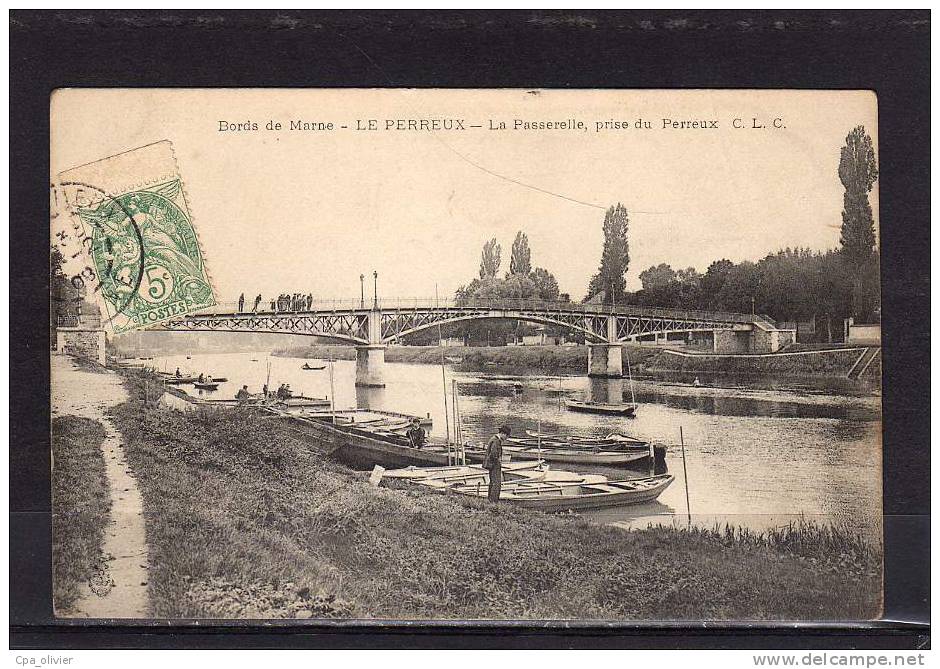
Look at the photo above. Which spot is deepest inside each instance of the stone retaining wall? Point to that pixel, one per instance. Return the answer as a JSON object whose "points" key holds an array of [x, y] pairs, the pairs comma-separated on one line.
{"points": [[81, 342]]}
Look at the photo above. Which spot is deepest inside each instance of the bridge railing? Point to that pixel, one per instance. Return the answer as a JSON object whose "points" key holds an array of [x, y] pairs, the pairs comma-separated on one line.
{"points": [[504, 304]]}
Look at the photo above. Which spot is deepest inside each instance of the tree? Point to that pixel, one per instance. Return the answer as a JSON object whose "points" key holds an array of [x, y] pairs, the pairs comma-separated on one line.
{"points": [[688, 277], [858, 172], [546, 285], [520, 262], [517, 287], [615, 258], [657, 277], [62, 296], [489, 262], [713, 280], [740, 287]]}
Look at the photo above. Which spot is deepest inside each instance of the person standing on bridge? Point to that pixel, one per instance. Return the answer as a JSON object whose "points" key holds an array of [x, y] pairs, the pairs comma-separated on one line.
{"points": [[493, 462], [241, 303], [257, 303], [309, 301]]}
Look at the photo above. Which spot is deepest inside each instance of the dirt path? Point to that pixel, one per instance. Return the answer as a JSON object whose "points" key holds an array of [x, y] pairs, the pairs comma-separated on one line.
{"points": [[118, 588]]}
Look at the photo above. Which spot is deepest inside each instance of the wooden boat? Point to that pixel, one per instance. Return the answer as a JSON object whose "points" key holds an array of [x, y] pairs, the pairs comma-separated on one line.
{"points": [[303, 401], [178, 380], [360, 445], [511, 478], [452, 471], [392, 419], [563, 454], [206, 385], [611, 442], [601, 407], [313, 368], [575, 438], [220, 379], [553, 497]]}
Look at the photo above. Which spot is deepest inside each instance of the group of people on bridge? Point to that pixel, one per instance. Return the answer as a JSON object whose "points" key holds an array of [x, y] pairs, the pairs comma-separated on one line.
{"points": [[285, 302]]}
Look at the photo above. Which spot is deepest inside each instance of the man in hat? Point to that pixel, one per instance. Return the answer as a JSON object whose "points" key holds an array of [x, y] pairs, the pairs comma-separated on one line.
{"points": [[492, 462], [243, 395], [416, 434]]}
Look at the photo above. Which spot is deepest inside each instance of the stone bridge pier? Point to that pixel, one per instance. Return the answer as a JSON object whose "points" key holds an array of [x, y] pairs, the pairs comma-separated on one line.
{"points": [[605, 360], [370, 358]]}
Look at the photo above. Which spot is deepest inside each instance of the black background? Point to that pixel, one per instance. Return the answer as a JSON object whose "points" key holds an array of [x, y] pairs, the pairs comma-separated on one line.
{"points": [[887, 52]]}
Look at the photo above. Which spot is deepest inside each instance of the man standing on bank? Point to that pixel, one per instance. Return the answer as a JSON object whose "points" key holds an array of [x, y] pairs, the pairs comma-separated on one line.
{"points": [[492, 462]]}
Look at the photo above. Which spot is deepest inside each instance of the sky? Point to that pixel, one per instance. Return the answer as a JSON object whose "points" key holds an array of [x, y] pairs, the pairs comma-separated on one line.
{"points": [[308, 211]]}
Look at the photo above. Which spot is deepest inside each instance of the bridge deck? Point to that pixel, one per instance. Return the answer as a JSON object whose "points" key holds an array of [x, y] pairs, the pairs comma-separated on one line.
{"points": [[386, 305]]}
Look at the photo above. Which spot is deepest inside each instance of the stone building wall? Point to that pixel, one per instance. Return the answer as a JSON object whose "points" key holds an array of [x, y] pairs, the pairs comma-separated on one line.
{"points": [[88, 343]]}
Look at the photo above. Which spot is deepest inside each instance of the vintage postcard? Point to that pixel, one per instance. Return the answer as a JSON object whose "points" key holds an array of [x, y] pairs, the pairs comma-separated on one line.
{"points": [[595, 356]]}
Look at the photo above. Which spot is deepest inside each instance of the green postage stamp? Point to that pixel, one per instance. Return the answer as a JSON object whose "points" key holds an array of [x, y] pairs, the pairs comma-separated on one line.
{"points": [[127, 238]]}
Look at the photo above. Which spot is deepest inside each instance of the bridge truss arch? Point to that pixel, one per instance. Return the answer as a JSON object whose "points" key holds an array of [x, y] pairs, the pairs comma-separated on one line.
{"points": [[351, 328], [396, 325]]}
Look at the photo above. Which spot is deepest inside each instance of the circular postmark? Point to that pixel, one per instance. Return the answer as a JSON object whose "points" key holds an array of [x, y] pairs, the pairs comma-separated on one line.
{"points": [[114, 245]]}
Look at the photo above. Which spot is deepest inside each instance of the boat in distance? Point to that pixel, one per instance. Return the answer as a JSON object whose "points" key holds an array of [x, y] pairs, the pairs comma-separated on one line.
{"points": [[607, 408], [555, 497], [206, 385], [314, 368]]}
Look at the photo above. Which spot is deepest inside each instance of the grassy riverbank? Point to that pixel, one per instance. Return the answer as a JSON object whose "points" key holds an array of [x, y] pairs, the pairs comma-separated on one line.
{"points": [[81, 502], [244, 520]]}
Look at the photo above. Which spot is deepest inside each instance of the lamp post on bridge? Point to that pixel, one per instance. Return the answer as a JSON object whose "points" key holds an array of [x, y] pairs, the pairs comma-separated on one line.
{"points": [[375, 289], [362, 291]]}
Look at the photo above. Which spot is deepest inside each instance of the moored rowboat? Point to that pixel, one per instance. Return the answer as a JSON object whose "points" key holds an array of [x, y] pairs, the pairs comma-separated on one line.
{"points": [[547, 496], [362, 445], [562, 454], [206, 385], [414, 473], [601, 407]]}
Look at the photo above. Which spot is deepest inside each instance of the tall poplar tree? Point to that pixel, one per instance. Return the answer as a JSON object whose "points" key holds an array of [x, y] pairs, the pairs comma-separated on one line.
{"points": [[858, 172], [615, 258], [520, 262], [490, 259]]}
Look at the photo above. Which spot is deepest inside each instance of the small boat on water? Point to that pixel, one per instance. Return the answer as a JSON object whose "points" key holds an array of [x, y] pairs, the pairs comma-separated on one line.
{"points": [[612, 409], [511, 478], [178, 380], [453, 359], [206, 385], [314, 368], [553, 497], [361, 436], [302, 401], [612, 441], [565, 454]]}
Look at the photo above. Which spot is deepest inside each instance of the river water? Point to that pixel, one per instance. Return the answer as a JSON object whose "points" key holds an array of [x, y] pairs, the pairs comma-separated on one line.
{"points": [[753, 457]]}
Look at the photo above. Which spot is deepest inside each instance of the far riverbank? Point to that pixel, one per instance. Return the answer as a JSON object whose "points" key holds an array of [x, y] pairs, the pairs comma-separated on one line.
{"points": [[823, 371]]}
